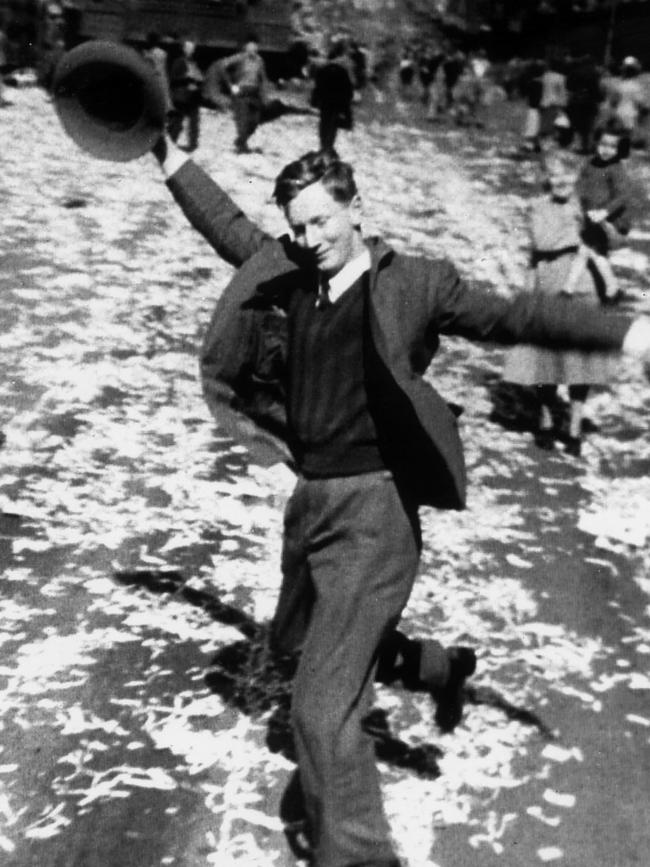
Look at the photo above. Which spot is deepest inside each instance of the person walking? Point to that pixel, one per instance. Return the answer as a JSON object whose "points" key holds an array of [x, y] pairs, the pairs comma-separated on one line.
{"points": [[553, 100], [156, 55], [246, 80], [185, 80], [322, 338], [532, 89], [559, 268], [629, 102], [333, 95], [452, 66], [584, 97]]}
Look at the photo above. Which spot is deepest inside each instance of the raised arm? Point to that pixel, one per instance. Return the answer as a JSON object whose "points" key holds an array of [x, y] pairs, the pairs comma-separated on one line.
{"points": [[209, 208]]}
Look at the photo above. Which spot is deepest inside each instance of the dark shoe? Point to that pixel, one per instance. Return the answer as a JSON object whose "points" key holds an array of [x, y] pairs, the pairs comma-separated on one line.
{"points": [[545, 439], [462, 664], [573, 446], [294, 817], [242, 149]]}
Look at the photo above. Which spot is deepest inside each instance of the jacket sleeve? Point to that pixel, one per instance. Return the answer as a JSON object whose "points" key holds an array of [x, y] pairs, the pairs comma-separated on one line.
{"points": [[527, 317], [620, 189], [214, 214]]}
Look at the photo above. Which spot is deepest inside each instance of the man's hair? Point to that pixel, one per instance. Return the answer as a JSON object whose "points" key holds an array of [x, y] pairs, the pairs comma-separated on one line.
{"points": [[325, 166]]}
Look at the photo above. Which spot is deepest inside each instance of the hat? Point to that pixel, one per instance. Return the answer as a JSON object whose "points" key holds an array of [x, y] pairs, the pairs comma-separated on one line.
{"points": [[631, 62], [109, 100]]}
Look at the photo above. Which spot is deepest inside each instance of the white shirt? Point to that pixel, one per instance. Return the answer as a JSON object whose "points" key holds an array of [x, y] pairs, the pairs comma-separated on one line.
{"points": [[636, 342], [348, 275]]}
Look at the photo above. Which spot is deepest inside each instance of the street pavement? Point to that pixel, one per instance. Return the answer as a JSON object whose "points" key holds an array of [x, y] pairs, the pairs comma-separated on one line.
{"points": [[141, 720]]}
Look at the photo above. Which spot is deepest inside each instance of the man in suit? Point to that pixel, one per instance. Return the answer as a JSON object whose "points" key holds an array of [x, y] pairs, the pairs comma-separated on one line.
{"points": [[332, 95], [322, 339], [185, 79], [244, 74]]}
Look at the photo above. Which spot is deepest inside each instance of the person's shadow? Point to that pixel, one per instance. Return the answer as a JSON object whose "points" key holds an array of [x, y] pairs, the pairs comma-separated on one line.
{"points": [[251, 677], [516, 408]]}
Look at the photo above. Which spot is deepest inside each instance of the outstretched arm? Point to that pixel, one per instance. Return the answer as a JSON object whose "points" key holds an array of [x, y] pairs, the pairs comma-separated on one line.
{"points": [[209, 208], [532, 317]]}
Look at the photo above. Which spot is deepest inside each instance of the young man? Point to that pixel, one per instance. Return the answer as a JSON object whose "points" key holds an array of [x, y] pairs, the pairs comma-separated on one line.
{"points": [[323, 338]]}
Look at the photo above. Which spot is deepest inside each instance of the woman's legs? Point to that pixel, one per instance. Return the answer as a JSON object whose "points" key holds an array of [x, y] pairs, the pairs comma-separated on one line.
{"points": [[545, 424], [577, 397]]}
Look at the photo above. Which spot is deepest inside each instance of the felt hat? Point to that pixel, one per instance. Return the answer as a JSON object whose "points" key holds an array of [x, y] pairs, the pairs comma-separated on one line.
{"points": [[109, 100]]}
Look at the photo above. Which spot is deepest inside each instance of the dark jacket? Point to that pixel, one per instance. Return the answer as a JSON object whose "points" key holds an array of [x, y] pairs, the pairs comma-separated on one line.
{"points": [[333, 92], [412, 301], [608, 186]]}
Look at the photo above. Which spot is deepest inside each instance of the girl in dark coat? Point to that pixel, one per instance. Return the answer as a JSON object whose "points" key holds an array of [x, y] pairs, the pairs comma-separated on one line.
{"points": [[605, 193]]}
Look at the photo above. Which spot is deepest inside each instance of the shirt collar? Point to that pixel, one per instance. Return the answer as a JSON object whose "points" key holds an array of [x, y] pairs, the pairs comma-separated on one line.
{"points": [[348, 275]]}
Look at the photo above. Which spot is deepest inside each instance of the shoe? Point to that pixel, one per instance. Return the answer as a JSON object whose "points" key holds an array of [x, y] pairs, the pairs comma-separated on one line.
{"points": [[573, 446], [242, 149], [545, 439], [462, 664]]}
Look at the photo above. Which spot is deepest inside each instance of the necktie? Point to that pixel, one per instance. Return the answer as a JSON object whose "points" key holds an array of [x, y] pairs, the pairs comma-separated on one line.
{"points": [[323, 299]]}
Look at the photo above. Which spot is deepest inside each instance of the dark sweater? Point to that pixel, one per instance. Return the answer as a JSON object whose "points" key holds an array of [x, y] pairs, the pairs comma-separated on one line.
{"points": [[333, 431]]}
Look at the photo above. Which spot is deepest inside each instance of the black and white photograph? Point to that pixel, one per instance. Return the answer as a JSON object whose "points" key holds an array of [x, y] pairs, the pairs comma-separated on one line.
{"points": [[325, 433]]}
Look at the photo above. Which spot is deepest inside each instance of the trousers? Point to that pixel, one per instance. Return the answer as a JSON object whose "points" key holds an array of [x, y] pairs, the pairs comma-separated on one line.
{"points": [[350, 556], [247, 111]]}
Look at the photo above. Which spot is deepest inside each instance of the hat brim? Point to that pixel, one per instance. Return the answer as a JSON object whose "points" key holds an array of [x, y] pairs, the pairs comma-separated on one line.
{"points": [[109, 100]]}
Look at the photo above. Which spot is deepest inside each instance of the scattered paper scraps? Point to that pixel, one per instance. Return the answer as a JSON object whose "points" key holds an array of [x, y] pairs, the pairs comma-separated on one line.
{"points": [[638, 720], [556, 753], [559, 799], [538, 813], [550, 853]]}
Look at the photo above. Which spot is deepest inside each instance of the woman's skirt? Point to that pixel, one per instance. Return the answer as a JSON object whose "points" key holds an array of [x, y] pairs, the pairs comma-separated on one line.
{"points": [[534, 365]]}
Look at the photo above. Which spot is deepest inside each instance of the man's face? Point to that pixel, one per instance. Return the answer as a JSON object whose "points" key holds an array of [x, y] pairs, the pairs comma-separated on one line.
{"points": [[326, 228], [607, 147], [250, 48]]}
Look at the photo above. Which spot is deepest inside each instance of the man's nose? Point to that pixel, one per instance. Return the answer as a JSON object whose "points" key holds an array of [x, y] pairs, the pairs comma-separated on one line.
{"points": [[312, 237]]}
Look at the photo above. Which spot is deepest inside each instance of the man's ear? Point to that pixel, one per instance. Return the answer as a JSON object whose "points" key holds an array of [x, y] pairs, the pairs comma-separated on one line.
{"points": [[356, 211]]}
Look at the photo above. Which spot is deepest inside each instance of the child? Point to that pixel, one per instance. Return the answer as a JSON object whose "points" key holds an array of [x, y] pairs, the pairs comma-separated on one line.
{"points": [[605, 193], [555, 227]]}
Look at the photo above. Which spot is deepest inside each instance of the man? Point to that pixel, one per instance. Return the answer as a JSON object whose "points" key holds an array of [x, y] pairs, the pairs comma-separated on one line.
{"points": [[332, 95], [245, 78], [156, 55], [324, 338], [584, 97], [185, 79]]}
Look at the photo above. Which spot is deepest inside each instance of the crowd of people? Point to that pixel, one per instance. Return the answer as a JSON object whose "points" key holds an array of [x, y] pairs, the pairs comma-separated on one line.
{"points": [[323, 339], [572, 97]]}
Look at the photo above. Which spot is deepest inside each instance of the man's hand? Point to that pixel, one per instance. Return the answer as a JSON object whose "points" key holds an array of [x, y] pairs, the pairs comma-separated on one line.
{"points": [[597, 215], [170, 157]]}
